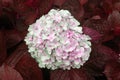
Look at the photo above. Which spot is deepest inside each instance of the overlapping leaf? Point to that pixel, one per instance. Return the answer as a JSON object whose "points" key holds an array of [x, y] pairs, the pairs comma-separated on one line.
{"points": [[99, 56], [73, 74], [101, 26], [112, 70], [95, 36], [8, 73], [28, 68], [15, 57], [74, 7]]}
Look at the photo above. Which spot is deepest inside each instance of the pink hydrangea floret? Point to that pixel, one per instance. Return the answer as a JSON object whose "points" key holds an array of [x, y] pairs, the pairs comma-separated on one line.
{"points": [[56, 40]]}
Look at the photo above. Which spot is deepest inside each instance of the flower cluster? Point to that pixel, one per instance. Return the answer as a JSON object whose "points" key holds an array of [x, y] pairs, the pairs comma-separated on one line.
{"points": [[56, 41]]}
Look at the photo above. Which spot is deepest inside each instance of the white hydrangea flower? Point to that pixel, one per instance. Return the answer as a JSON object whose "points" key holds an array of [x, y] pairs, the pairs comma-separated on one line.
{"points": [[56, 40]]}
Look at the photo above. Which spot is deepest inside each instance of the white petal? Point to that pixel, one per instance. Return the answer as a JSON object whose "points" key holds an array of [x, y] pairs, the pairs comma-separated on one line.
{"points": [[77, 29], [43, 58]]}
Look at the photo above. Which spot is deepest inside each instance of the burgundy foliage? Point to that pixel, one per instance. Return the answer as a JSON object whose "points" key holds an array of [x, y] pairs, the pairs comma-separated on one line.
{"points": [[29, 68], [10, 37], [73, 74], [8, 73], [100, 20], [99, 56], [112, 70], [3, 53], [102, 27], [74, 7], [59, 2], [95, 36]]}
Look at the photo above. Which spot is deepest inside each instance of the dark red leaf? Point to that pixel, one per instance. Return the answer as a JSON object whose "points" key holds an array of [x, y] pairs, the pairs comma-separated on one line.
{"points": [[29, 7], [99, 56], [25, 12], [101, 26], [117, 30], [93, 8], [3, 53], [59, 2], [7, 1], [74, 7], [13, 37], [45, 6], [114, 18], [112, 70], [32, 7], [107, 6], [110, 5], [28, 68], [92, 33], [114, 21], [8, 73], [32, 3], [20, 25], [117, 6], [117, 43], [30, 19], [15, 57], [23, 63], [82, 2], [73, 74]]}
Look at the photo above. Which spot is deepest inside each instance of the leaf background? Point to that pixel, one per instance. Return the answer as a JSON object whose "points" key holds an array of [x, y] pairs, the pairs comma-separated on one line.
{"points": [[100, 19]]}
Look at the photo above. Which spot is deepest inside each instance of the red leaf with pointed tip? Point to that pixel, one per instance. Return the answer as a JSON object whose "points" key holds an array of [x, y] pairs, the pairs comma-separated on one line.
{"points": [[3, 53], [28, 68], [92, 33], [73, 74], [112, 70], [98, 58], [8, 73]]}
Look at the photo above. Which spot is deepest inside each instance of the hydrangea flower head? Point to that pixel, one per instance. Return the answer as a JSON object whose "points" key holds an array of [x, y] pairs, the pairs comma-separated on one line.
{"points": [[56, 40]]}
